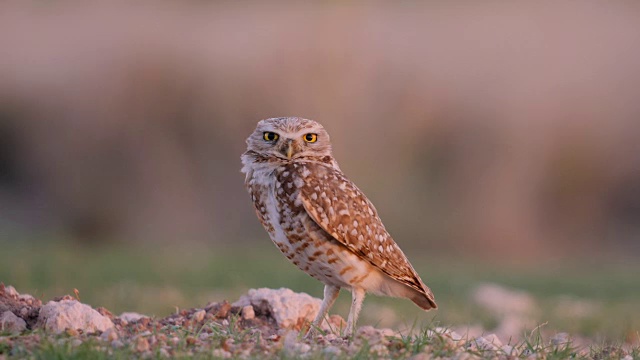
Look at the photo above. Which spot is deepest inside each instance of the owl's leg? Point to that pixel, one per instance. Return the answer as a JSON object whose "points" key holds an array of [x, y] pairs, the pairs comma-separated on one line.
{"points": [[330, 295], [357, 297]]}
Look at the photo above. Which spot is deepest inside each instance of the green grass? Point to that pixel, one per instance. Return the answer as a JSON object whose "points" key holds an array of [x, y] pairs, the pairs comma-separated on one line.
{"points": [[155, 280]]}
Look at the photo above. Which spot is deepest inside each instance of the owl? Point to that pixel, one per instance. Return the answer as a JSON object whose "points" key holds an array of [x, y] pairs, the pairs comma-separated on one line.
{"points": [[321, 221]]}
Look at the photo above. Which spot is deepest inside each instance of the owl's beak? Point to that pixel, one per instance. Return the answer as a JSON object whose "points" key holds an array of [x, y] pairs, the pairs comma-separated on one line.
{"points": [[289, 149]]}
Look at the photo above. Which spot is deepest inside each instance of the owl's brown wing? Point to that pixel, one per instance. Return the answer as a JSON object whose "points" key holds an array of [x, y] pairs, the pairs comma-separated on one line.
{"points": [[342, 210]]}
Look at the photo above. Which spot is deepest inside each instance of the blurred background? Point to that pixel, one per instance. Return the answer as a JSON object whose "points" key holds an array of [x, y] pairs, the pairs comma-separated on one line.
{"points": [[488, 133]]}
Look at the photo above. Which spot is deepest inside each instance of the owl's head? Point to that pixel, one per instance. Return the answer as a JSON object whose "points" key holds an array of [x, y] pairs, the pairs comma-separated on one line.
{"points": [[289, 138]]}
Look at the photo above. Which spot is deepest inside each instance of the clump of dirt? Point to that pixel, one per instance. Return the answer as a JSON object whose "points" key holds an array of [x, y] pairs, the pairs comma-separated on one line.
{"points": [[24, 306]]}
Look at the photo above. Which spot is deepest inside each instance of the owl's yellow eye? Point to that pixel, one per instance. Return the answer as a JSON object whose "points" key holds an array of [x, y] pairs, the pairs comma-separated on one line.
{"points": [[270, 136], [310, 138]]}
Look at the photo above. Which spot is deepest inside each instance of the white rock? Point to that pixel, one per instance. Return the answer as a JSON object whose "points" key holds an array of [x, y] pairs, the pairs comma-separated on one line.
{"points": [[286, 306], [422, 356], [9, 322], [446, 332], [331, 351], [248, 313], [375, 336], [131, 316], [507, 349], [75, 342], [221, 353], [292, 346], [484, 344], [109, 335], [11, 291], [502, 301], [379, 350], [512, 325], [198, 315], [560, 339], [56, 317], [569, 306], [164, 353]]}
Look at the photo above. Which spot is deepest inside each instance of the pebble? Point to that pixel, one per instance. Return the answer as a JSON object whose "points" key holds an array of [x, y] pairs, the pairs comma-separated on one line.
{"points": [[142, 344], [11, 291], [164, 353], [560, 339], [221, 353], [109, 335], [76, 342], [332, 350], [421, 356], [248, 313], [507, 349], [198, 315], [484, 344], [379, 350], [493, 339], [131, 316], [9, 322]]}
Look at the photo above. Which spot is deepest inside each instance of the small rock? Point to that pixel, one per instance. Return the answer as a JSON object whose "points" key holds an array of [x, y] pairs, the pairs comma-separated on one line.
{"points": [[560, 339], [190, 340], [379, 350], [507, 349], [164, 353], [9, 322], [56, 317], [483, 344], [331, 351], [568, 306], [198, 316], [11, 291], [142, 344], [331, 337], [335, 324], [502, 301], [468, 356], [375, 336], [290, 339], [447, 333], [288, 308], [303, 348], [72, 332], [221, 353], [76, 342], [493, 338], [27, 298], [117, 344], [421, 356], [131, 316], [248, 313], [109, 335]]}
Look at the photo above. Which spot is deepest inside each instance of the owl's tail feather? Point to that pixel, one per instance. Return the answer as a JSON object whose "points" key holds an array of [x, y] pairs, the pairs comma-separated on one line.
{"points": [[424, 300]]}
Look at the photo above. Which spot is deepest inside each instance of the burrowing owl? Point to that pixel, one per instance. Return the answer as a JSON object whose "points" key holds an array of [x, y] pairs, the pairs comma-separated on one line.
{"points": [[321, 221]]}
